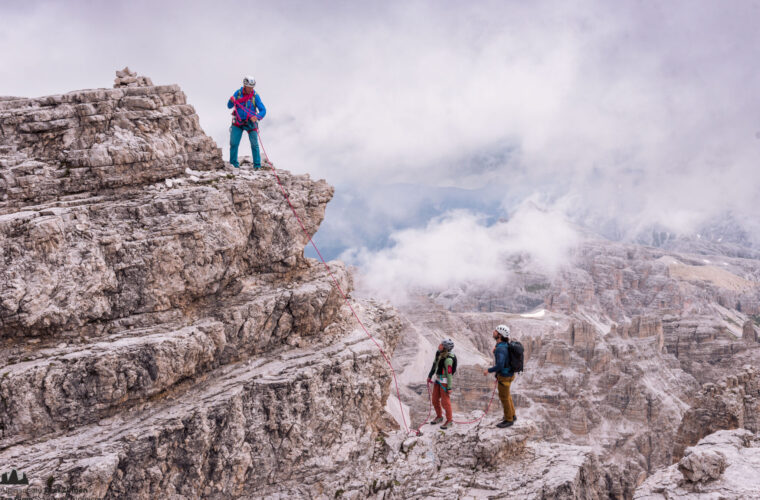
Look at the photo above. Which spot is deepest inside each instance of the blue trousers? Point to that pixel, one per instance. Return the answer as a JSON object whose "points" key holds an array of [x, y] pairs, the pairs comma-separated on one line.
{"points": [[235, 134]]}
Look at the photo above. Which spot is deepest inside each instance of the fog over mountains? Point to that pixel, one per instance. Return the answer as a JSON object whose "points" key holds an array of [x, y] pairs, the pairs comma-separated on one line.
{"points": [[585, 173], [625, 117]]}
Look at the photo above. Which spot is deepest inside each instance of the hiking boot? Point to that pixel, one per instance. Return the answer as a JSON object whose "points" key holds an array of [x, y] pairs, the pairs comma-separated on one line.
{"points": [[437, 420], [257, 168], [447, 425], [505, 423]]}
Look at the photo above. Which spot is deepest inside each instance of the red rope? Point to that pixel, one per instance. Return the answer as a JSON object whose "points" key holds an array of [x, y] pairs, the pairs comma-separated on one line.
{"points": [[488, 407], [345, 298]]}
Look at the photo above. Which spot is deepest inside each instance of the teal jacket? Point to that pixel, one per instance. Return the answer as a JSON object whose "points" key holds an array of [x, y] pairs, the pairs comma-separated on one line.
{"points": [[501, 360], [247, 109]]}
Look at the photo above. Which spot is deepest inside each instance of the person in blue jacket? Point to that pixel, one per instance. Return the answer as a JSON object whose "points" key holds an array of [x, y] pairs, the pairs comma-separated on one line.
{"points": [[504, 374], [248, 110]]}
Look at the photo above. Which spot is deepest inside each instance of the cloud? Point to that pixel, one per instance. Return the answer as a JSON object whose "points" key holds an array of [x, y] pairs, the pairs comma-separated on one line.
{"points": [[635, 112], [461, 248]]}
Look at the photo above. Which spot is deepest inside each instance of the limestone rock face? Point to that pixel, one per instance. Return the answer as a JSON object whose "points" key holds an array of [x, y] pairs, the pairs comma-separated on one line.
{"points": [[721, 465], [161, 331], [148, 251], [66, 147], [624, 280], [163, 335], [703, 465], [621, 396], [732, 403], [617, 352], [749, 332], [469, 461]]}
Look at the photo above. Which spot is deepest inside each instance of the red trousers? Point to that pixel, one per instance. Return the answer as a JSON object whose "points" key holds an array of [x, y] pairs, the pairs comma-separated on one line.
{"points": [[441, 397]]}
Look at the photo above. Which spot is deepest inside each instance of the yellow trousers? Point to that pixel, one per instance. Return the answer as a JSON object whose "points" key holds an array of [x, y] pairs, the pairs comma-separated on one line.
{"points": [[506, 397]]}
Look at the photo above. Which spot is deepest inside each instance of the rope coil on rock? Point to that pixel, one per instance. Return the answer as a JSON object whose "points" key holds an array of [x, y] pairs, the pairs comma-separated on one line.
{"points": [[348, 302]]}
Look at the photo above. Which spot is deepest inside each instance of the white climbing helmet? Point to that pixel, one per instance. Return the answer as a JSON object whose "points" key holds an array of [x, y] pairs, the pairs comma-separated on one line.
{"points": [[503, 330], [249, 81], [448, 344]]}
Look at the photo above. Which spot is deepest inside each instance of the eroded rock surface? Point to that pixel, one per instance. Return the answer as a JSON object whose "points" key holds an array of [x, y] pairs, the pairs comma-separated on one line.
{"points": [[722, 465], [731, 403], [163, 335], [617, 351], [161, 331]]}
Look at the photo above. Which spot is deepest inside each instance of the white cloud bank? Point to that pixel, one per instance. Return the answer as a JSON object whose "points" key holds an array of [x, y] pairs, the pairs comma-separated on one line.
{"points": [[634, 112], [460, 247]]}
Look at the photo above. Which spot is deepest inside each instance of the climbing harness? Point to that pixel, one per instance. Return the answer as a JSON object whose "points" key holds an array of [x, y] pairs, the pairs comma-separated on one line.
{"points": [[348, 303], [240, 104]]}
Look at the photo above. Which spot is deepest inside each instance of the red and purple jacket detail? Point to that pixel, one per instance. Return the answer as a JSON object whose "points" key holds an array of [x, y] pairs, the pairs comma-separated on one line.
{"points": [[246, 106]]}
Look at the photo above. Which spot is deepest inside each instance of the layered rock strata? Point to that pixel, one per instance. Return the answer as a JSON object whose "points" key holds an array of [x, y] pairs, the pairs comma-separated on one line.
{"points": [[161, 331], [162, 334], [616, 356], [65, 147], [470, 461], [721, 465], [731, 403]]}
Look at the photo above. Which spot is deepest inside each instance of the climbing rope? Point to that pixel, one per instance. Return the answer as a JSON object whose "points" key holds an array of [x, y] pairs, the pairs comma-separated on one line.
{"points": [[348, 302]]}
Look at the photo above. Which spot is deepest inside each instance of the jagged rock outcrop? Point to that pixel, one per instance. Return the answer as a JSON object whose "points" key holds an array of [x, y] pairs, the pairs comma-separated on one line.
{"points": [[485, 462], [620, 394], [65, 147], [161, 331], [749, 332], [162, 334], [624, 280], [721, 465], [246, 427], [472, 461], [617, 358], [127, 78], [146, 252], [732, 403], [703, 345]]}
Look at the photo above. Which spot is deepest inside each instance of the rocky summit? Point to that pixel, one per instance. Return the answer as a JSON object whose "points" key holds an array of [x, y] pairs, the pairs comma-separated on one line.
{"points": [[163, 335], [635, 352], [162, 332]]}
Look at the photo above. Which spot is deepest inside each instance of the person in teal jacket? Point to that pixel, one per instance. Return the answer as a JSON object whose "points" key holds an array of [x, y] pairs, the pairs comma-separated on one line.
{"points": [[248, 110]]}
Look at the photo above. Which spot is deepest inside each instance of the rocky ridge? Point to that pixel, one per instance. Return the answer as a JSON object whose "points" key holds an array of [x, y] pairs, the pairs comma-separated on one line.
{"points": [[618, 345], [161, 330], [162, 333], [721, 465], [732, 403]]}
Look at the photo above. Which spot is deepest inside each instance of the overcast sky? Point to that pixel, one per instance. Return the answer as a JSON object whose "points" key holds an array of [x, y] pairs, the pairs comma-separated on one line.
{"points": [[643, 111]]}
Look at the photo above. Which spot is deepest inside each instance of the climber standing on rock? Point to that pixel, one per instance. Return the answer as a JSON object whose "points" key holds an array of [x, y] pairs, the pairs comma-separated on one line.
{"points": [[248, 110], [504, 373], [444, 367]]}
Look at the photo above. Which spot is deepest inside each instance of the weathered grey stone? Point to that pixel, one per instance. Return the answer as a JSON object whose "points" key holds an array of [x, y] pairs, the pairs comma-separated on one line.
{"points": [[702, 465], [722, 465], [731, 403], [162, 335], [89, 141]]}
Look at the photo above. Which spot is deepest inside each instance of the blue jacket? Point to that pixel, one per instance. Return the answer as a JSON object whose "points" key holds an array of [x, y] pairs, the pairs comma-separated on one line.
{"points": [[248, 109], [501, 360]]}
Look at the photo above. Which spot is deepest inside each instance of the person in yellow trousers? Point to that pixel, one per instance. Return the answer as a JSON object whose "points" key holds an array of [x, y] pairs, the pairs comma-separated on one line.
{"points": [[504, 374]]}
